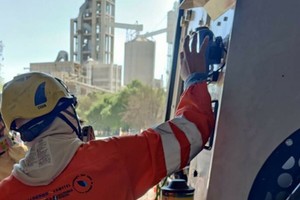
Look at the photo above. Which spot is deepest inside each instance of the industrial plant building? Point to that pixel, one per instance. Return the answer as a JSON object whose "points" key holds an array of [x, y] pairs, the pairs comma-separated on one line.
{"points": [[91, 66]]}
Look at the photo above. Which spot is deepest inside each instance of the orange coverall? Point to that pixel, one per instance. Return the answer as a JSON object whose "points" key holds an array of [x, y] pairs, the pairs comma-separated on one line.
{"points": [[124, 168]]}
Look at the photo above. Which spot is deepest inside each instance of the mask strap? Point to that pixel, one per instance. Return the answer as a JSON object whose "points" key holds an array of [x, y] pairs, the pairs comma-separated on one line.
{"points": [[77, 130], [35, 127]]}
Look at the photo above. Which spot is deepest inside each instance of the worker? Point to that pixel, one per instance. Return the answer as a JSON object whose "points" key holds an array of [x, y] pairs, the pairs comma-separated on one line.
{"points": [[60, 166], [10, 151]]}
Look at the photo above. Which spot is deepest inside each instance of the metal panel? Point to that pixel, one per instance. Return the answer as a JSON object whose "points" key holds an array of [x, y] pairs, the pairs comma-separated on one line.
{"points": [[260, 103], [199, 168]]}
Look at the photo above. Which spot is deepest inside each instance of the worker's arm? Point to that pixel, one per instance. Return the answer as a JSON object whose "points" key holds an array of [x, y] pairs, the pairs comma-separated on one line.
{"points": [[160, 151]]}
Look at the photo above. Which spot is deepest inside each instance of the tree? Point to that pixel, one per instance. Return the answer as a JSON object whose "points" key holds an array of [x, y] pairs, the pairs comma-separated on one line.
{"points": [[85, 102], [101, 115], [145, 108], [136, 106]]}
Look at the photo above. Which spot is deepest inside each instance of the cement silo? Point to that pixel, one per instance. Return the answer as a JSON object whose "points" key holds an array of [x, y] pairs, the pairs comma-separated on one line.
{"points": [[139, 60]]}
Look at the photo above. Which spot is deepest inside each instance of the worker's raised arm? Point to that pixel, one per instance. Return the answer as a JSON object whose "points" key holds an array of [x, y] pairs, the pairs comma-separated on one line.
{"points": [[168, 147], [194, 73]]}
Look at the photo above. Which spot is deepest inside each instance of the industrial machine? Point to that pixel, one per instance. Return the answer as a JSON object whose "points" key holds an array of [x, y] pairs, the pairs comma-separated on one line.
{"points": [[254, 151]]}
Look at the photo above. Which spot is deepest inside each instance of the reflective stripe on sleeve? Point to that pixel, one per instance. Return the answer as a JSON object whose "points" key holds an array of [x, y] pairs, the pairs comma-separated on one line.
{"points": [[191, 132], [171, 145]]}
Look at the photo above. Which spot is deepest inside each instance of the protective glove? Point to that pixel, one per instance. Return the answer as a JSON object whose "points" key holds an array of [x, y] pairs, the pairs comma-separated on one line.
{"points": [[193, 66]]}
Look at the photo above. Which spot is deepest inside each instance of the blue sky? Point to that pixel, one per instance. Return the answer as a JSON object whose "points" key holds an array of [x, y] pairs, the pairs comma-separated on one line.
{"points": [[36, 30]]}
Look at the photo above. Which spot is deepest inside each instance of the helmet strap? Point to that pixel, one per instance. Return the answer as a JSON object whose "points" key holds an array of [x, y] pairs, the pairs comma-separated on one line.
{"points": [[36, 126]]}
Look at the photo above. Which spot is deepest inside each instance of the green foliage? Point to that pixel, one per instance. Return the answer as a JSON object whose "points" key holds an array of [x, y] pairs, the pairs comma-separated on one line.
{"points": [[145, 108], [85, 103], [100, 111], [136, 106]]}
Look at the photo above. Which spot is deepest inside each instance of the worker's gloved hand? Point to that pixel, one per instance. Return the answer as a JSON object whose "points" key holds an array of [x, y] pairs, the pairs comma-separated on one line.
{"points": [[193, 67]]}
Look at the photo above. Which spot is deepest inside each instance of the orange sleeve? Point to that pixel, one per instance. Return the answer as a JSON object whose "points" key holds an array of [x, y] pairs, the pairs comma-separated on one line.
{"points": [[144, 155], [195, 105]]}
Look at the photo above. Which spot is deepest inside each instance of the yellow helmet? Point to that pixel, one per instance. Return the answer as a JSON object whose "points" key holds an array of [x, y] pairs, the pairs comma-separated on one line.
{"points": [[32, 95]]}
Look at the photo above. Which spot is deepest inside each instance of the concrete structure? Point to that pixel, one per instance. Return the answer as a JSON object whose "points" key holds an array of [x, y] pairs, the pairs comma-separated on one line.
{"points": [[91, 66], [105, 76], [91, 36], [139, 61], [62, 70], [92, 32], [77, 78], [57, 69]]}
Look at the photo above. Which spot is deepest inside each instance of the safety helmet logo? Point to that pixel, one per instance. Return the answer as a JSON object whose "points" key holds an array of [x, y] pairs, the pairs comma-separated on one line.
{"points": [[40, 98]]}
